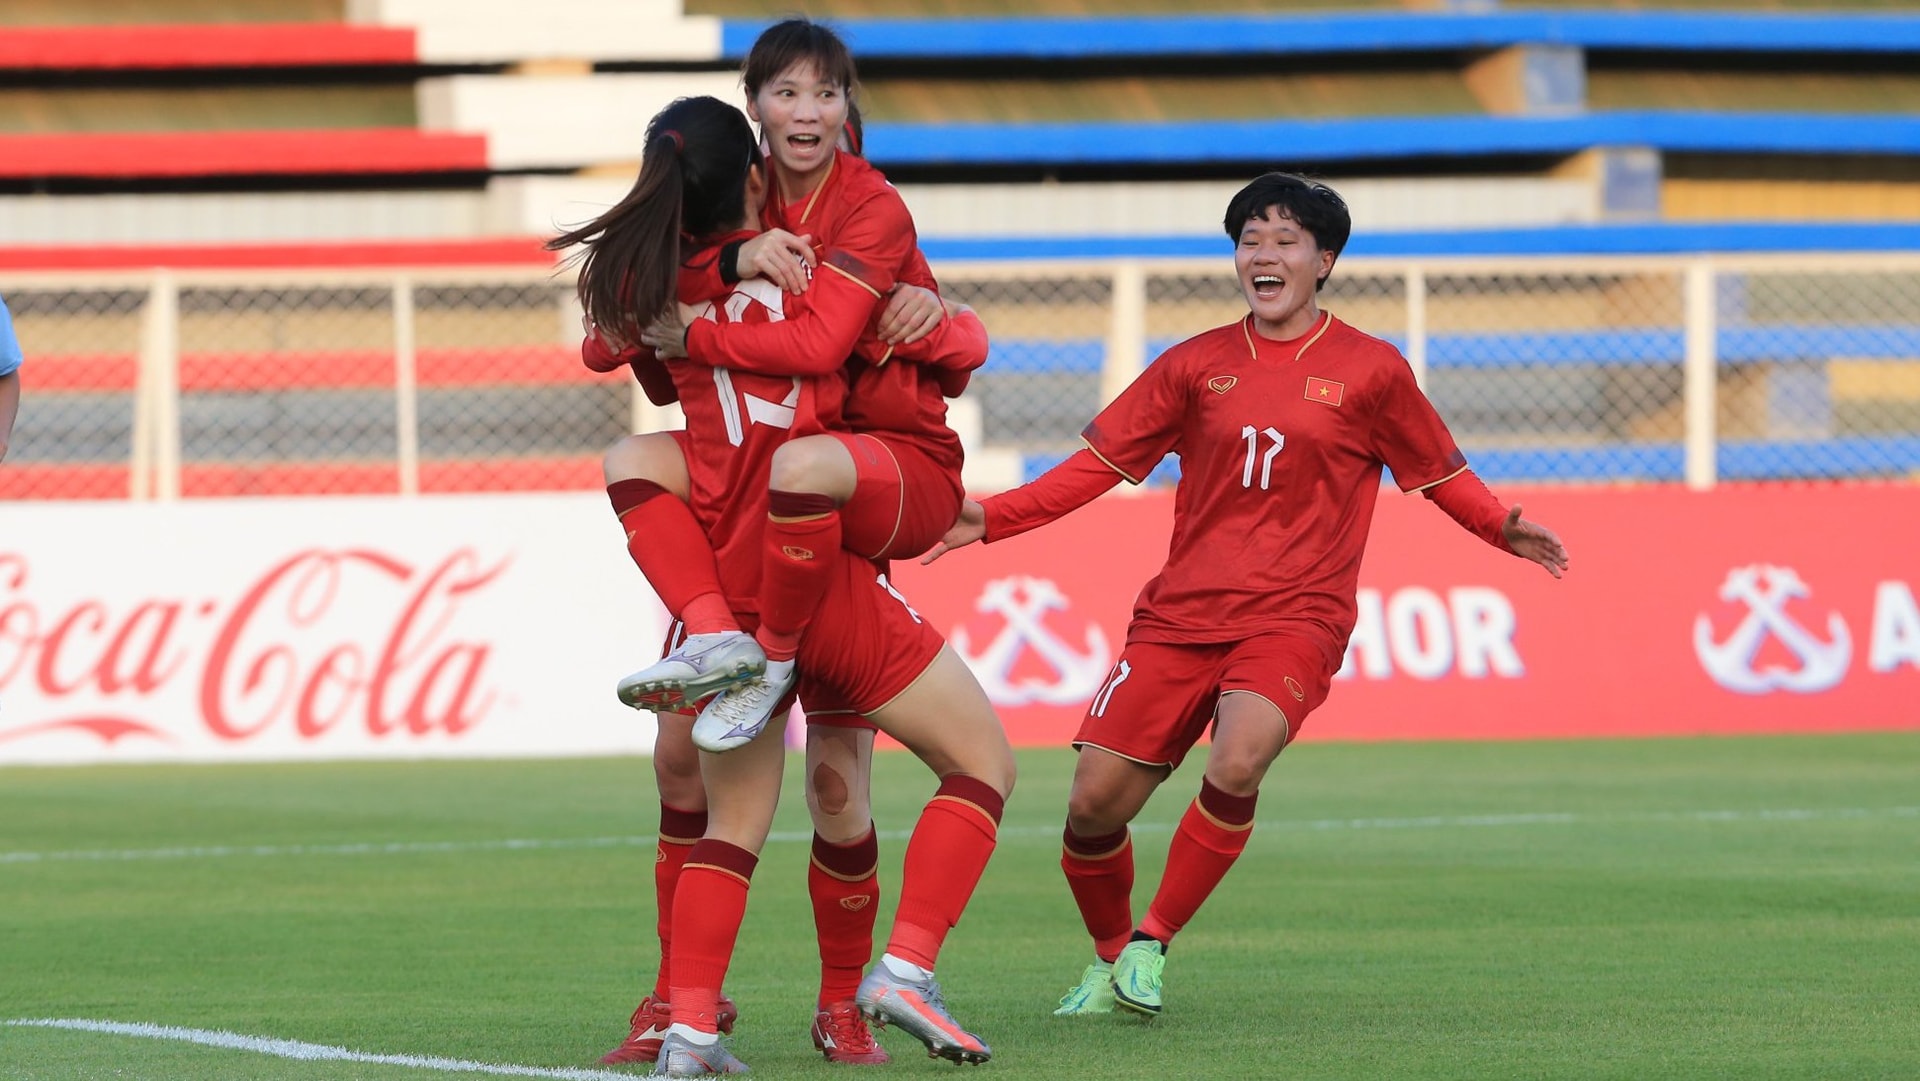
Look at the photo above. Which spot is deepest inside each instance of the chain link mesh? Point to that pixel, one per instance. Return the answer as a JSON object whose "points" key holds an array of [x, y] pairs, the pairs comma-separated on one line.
{"points": [[453, 381], [74, 437]]}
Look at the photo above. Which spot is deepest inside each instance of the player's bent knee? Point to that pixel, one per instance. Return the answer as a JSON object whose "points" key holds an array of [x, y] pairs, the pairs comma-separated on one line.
{"points": [[619, 463], [814, 463], [831, 793], [1094, 814]]}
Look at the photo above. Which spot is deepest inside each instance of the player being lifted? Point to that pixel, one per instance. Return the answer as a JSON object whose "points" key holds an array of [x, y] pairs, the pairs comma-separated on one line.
{"points": [[1282, 422]]}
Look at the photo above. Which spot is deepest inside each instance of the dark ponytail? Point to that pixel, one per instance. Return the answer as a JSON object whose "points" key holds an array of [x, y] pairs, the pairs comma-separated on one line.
{"points": [[693, 181]]}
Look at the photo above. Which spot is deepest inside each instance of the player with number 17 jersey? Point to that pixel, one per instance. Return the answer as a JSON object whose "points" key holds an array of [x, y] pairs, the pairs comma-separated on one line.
{"points": [[1280, 446]]}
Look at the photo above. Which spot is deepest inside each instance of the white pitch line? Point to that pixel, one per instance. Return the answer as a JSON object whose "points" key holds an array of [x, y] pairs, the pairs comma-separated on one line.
{"points": [[393, 848], [311, 1052]]}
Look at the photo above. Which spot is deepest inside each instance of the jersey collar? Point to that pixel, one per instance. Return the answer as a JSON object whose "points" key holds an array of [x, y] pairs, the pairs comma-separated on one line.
{"points": [[1304, 342]]}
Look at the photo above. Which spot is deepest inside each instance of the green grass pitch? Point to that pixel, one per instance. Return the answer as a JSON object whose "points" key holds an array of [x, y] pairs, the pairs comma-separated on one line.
{"points": [[1727, 908]]}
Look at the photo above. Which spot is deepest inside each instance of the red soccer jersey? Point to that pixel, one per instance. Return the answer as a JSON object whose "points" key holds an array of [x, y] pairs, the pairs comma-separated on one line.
{"points": [[1280, 446], [735, 420], [859, 223]]}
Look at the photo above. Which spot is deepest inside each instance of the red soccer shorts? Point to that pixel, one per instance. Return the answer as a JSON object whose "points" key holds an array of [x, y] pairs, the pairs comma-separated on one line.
{"points": [[865, 646], [866, 643], [903, 501], [1160, 698]]}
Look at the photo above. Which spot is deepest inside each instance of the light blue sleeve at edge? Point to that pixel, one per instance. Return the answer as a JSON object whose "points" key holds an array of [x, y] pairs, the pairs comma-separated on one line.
{"points": [[9, 343]]}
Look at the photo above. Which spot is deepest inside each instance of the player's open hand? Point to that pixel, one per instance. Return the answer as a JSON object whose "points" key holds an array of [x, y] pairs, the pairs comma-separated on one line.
{"points": [[780, 257], [1531, 540], [969, 527], [911, 314], [667, 334]]}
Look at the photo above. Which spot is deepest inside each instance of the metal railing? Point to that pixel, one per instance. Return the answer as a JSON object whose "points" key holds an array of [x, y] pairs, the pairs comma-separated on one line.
{"points": [[174, 384]]}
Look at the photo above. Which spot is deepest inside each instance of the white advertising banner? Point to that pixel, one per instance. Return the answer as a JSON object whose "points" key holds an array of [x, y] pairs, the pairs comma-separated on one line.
{"points": [[378, 627]]}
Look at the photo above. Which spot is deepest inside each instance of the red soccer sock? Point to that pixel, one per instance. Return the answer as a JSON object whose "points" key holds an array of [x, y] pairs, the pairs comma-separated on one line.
{"points": [[678, 832], [844, 882], [802, 543], [1100, 874], [671, 549], [707, 909], [945, 858], [1211, 836]]}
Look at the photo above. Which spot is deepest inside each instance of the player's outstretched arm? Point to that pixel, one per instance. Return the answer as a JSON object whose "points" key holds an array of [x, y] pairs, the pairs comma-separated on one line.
{"points": [[1531, 540], [969, 527]]}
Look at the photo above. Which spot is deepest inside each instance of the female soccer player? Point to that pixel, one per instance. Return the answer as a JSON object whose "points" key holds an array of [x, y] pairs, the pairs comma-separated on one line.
{"points": [[677, 556], [867, 645], [887, 488], [1282, 421]]}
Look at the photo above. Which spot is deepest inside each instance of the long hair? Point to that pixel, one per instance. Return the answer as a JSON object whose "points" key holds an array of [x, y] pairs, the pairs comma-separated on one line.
{"points": [[791, 41], [693, 181]]}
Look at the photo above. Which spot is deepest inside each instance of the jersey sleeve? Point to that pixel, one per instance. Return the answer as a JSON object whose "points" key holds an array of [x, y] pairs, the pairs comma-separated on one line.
{"points": [[704, 273], [653, 376], [1408, 434], [958, 343], [1143, 425], [1066, 487], [813, 341], [598, 356]]}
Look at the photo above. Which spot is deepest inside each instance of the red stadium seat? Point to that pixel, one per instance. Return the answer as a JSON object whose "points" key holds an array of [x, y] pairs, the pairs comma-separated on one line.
{"points": [[212, 45]]}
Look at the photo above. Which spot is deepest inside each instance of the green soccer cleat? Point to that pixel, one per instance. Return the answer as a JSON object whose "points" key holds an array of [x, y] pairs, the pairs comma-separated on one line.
{"points": [[1093, 994], [1136, 977]]}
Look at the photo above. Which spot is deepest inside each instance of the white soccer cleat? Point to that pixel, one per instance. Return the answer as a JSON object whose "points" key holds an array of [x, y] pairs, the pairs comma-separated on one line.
{"points": [[738, 714], [704, 664]]}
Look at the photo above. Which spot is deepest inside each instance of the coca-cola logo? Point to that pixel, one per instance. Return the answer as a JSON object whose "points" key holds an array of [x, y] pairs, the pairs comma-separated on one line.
{"points": [[324, 639]]}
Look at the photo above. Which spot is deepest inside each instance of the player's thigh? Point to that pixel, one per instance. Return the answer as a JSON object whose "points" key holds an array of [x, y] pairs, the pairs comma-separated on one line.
{"points": [[1154, 704], [944, 718], [869, 644], [1269, 684], [902, 506], [656, 456]]}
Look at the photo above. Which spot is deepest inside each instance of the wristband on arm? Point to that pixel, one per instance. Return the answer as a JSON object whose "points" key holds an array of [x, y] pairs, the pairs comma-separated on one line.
{"points": [[730, 261]]}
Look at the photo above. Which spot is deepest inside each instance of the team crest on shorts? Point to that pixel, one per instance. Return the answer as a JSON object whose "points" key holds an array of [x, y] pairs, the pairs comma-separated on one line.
{"points": [[1220, 384], [1293, 688]]}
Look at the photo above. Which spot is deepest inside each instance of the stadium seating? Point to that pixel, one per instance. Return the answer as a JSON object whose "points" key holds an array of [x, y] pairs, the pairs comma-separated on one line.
{"points": [[435, 133]]}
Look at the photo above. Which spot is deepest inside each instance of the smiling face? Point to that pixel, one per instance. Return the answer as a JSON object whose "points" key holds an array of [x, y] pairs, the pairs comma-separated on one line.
{"points": [[1280, 266], [800, 114]]}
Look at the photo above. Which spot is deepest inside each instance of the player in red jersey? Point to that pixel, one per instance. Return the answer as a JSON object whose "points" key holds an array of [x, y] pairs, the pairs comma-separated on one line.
{"points": [[672, 550], [1282, 422], [668, 498], [868, 647], [890, 487]]}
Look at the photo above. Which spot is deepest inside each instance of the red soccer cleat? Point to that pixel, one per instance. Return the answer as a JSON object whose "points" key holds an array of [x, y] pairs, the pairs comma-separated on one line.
{"points": [[649, 1027], [842, 1035]]}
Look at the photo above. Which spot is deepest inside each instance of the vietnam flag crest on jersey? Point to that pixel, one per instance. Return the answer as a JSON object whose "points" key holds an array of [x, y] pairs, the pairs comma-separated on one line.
{"points": [[1325, 390]]}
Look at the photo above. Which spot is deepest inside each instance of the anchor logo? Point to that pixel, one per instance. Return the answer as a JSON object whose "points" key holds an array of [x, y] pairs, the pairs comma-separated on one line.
{"points": [[1023, 603], [1765, 590]]}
